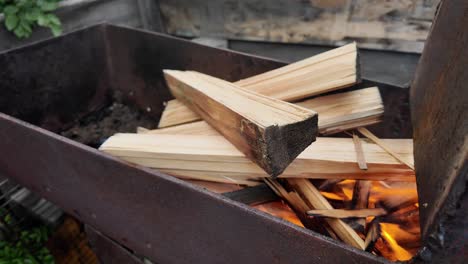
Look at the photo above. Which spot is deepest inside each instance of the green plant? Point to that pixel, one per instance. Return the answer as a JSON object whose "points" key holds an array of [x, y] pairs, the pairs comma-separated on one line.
{"points": [[21, 16], [23, 246]]}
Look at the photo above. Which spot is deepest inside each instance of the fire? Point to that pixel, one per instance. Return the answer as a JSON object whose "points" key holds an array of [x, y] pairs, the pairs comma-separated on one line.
{"points": [[281, 210], [397, 236], [392, 234]]}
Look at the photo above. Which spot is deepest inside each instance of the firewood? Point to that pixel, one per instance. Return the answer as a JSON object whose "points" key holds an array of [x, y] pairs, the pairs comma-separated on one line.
{"points": [[343, 213], [360, 200], [359, 152], [314, 199], [298, 205], [326, 184], [348, 110], [372, 235], [252, 195], [195, 128], [382, 144], [269, 132], [319, 74], [218, 187], [337, 112], [213, 156], [142, 130], [361, 194], [281, 210]]}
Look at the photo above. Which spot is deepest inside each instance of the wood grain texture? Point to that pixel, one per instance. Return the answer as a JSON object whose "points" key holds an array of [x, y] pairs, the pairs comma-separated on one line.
{"points": [[394, 25], [213, 156], [328, 71], [439, 104], [359, 152], [268, 131], [384, 146], [337, 112], [343, 213]]}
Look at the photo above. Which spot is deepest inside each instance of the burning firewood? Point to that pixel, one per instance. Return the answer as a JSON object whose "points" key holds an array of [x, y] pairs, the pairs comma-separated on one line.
{"points": [[342, 213], [367, 196], [319, 74], [337, 112], [213, 156], [269, 132], [313, 197], [299, 206]]}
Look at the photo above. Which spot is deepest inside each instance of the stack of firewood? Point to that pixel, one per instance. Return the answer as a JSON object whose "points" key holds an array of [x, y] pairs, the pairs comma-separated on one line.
{"points": [[264, 129]]}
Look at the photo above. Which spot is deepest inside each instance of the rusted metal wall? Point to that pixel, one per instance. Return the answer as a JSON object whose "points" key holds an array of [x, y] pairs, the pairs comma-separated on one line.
{"points": [[155, 215], [439, 104]]}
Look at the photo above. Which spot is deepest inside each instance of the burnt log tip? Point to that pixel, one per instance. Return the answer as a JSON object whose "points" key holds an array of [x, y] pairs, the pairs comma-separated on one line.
{"points": [[284, 143]]}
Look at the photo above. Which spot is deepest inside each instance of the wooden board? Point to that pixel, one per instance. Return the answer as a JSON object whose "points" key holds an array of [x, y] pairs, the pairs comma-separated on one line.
{"points": [[337, 112], [268, 131], [214, 156], [396, 25], [328, 71]]}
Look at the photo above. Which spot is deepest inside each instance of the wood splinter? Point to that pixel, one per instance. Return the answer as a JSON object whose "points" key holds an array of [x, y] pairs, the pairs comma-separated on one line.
{"points": [[270, 132], [343, 213]]}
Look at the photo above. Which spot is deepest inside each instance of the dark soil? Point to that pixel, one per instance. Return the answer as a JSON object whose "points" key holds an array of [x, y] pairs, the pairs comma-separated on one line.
{"points": [[95, 128]]}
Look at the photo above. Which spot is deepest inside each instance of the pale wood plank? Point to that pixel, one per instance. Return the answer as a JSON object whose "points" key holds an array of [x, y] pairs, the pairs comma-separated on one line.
{"points": [[268, 131]]}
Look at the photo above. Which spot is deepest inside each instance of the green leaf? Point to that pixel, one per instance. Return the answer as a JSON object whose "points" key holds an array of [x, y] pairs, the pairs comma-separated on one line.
{"points": [[11, 21], [10, 10], [20, 32], [48, 6], [53, 19], [42, 20], [33, 14], [56, 30]]}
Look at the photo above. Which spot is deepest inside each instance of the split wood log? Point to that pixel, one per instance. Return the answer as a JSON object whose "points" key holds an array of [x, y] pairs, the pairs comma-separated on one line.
{"points": [[268, 131], [299, 206], [343, 213], [372, 235], [328, 71], [360, 200], [382, 144], [315, 200], [359, 152], [211, 157], [337, 112]]}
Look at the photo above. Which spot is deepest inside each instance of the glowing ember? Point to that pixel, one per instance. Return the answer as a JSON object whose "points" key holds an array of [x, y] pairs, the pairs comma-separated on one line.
{"points": [[395, 235], [281, 210]]}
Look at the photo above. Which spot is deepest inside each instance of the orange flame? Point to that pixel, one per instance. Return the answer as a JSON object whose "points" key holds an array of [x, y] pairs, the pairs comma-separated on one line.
{"points": [[399, 237], [281, 210]]}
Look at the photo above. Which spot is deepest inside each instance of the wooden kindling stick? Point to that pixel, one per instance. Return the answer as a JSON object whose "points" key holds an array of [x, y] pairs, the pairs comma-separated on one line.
{"points": [[313, 198], [359, 152], [384, 146], [268, 131], [343, 213], [298, 205], [325, 72], [338, 112], [212, 157]]}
